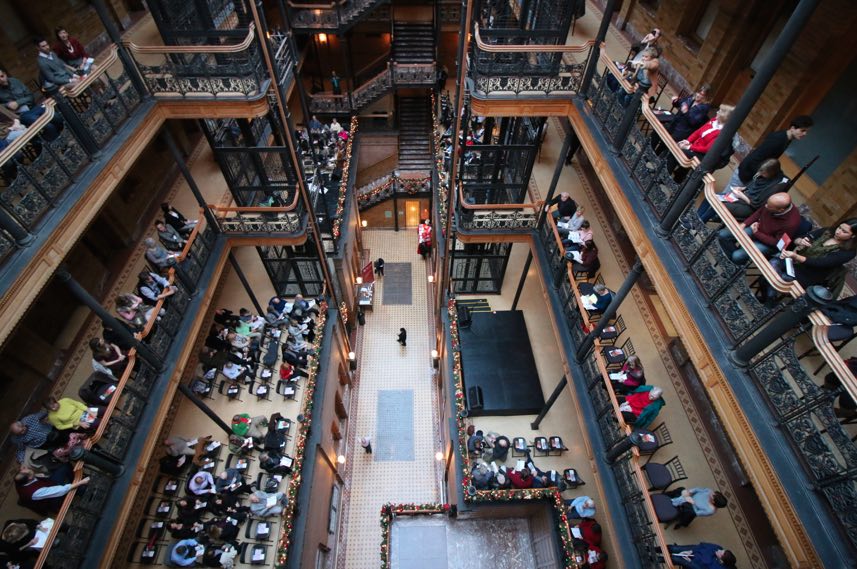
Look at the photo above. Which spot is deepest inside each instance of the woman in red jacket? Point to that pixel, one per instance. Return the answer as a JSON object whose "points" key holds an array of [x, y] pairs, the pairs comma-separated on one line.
{"points": [[699, 143], [71, 51]]}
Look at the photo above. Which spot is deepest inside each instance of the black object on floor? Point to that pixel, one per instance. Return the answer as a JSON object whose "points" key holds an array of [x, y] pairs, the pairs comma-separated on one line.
{"points": [[497, 357]]}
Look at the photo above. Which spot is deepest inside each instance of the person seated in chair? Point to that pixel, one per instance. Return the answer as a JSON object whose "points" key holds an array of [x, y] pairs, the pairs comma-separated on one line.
{"points": [[701, 556], [186, 553], [201, 483], [820, 258], [521, 479], [743, 201], [603, 298], [264, 504], [182, 530], [230, 481], [691, 113], [696, 502], [565, 206], [501, 449], [475, 441], [700, 141], [582, 507], [482, 476], [588, 262], [642, 405], [632, 369], [169, 237], [766, 227], [273, 463]]}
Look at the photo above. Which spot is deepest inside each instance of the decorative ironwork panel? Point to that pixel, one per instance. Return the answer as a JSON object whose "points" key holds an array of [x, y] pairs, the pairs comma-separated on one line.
{"points": [[23, 200], [497, 219], [262, 223], [691, 236], [414, 74], [714, 269], [739, 309], [842, 496]]}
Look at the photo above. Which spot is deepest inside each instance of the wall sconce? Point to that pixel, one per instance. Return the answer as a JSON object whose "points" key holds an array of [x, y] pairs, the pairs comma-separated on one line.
{"points": [[431, 278], [435, 359], [364, 223], [352, 361], [340, 459], [322, 38], [438, 456], [359, 280]]}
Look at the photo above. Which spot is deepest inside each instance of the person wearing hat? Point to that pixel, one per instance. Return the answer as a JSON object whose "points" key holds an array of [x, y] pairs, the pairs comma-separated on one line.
{"points": [[501, 448], [482, 476], [366, 443]]}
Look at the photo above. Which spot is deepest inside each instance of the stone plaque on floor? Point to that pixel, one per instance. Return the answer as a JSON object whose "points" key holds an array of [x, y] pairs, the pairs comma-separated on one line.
{"points": [[395, 425], [397, 283]]}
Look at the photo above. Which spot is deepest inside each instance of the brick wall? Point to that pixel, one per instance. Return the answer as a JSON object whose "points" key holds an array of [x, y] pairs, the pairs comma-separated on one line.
{"points": [[40, 17], [837, 198]]}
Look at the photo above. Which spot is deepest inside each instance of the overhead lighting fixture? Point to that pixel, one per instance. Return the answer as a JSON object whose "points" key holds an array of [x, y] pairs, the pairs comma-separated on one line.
{"points": [[340, 459], [364, 223], [431, 278], [438, 456]]}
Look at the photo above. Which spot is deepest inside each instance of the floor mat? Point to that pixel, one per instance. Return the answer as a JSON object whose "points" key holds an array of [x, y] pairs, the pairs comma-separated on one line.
{"points": [[395, 425], [397, 283]]}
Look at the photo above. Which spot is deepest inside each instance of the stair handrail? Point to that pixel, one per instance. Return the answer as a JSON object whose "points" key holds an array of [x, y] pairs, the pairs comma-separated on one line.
{"points": [[372, 63], [487, 207], [331, 4]]}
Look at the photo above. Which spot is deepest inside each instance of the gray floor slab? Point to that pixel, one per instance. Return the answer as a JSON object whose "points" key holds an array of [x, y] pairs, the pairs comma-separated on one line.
{"points": [[397, 283], [395, 425]]}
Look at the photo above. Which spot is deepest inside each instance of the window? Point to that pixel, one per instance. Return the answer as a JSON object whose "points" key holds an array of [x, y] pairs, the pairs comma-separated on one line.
{"points": [[696, 23], [650, 5], [766, 46], [334, 510], [705, 22]]}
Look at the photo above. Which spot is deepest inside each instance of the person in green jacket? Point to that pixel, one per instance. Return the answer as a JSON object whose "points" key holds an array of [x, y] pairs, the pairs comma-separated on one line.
{"points": [[641, 406], [68, 413]]}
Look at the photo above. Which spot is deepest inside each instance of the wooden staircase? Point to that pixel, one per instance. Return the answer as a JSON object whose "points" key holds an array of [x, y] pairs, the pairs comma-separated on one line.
{"points": [[413, 42]]}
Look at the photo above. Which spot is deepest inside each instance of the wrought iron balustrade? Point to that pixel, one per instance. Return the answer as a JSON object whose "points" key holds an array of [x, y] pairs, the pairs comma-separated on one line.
{"points": [[385, 187], [258, 220], [37, 168], [794, 395], [393, 75], [205, 71], [330, 16], [503, 68]]}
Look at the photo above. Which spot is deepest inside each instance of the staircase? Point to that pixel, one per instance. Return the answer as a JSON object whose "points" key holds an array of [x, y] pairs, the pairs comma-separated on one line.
{"points": [[413, 42], [338, 18], [414, 115]]}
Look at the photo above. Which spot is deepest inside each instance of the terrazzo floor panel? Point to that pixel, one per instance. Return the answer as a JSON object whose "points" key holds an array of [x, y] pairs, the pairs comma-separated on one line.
{"points": [[395, 399]]}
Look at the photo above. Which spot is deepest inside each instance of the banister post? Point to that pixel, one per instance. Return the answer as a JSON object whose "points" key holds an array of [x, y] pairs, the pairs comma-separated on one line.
{"points": [[628, 120], [595, 53]]}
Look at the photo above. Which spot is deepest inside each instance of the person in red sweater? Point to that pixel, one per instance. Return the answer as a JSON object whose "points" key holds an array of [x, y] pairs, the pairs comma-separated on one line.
{"points": [[71, 51], [767, 226], [522, 479], [698, 143]]}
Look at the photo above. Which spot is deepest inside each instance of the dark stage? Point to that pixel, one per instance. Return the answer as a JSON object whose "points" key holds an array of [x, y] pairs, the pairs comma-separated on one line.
{"points": [[496, 356]]}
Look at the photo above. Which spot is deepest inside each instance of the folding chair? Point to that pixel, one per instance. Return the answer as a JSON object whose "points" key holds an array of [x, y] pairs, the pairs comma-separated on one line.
{"points": [[254, 553], [662, 433], [611, 333]]}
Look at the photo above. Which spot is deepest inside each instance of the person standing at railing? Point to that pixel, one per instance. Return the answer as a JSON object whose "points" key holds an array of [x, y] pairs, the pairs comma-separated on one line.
{"points": [[335, 83], [71, 51], [45, 495], [53, 72]]}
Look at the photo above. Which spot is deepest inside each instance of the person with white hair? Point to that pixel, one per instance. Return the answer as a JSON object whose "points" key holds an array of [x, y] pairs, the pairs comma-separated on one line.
{"points": [[641, 406], [159, 256]]}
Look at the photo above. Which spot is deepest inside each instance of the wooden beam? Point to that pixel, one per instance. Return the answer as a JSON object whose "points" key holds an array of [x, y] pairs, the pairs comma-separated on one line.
{"points": [[520, 107]]}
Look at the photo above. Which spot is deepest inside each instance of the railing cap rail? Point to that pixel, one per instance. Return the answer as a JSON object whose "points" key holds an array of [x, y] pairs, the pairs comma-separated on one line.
{"points": [[168, 49], [513, 48], [101, 68], [34, 129]]}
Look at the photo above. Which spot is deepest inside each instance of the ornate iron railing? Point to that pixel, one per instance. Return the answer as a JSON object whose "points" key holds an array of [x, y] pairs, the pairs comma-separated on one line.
{"points": [[800, 404], [440, 177], [203, 71], [258, 220], [500, 216], [395, 75], [37, 168], [331, 16], [647, 533], [104, 100], [73, 527], [524, 69], [385, 187]]}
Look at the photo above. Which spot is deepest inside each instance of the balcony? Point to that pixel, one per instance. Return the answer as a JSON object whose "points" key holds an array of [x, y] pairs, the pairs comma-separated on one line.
{"points": [[497, 69], [209, 71], [780, 397], [336, 16]]}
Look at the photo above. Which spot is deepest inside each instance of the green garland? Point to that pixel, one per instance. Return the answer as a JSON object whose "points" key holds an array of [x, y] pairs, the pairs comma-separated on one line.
{"points": [[476, 496], [300, 443], [442, 190], [343, 185], [389, 511]]}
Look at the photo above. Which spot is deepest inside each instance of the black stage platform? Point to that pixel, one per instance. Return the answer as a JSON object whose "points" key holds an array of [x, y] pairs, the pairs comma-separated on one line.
{"points": [[496, 356]]}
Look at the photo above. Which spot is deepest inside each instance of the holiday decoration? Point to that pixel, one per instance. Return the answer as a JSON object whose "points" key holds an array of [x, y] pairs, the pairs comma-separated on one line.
{"points": [[343, 185]]}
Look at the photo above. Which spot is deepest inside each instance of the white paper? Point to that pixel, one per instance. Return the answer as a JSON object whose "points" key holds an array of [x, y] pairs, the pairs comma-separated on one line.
{"points": [[258, 554], [575, 532], [271, 501], [519, 465], [618, 376]]}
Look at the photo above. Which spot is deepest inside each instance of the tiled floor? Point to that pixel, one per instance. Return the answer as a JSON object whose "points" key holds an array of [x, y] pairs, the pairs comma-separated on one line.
{"points": [[390, 373]]}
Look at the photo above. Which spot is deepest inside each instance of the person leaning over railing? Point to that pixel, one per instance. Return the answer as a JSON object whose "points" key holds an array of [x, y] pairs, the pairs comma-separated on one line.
{"points": [[766, 227]]}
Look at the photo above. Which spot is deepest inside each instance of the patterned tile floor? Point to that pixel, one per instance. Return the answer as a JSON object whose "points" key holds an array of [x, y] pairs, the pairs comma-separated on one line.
{"points": [[390, 376]]}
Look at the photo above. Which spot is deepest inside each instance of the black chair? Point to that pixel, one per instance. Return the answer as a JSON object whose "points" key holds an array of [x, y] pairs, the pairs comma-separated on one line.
{"points": [[145, 553], [615, 360], [836, 333], [662, 476], [160, 508], [230, 389], [519, 446], [168, 486], [541, 446], [262, 391], [555, 445], [240, 463], [611, 333], [254, 553], [287, 388], [662, 433], [664, 509], [259, 529]]}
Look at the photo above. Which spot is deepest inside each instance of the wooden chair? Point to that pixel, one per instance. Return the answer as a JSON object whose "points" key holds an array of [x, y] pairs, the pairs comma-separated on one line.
{"points": [[663, 475], [664, 438], [612, 332]]}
